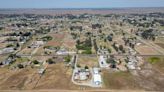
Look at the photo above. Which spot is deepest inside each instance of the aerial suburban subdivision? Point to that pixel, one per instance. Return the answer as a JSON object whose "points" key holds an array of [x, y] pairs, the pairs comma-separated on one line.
{"points": [[82, 49]]}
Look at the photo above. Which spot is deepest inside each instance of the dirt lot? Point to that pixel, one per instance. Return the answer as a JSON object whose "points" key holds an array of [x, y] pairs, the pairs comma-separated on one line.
{"points": [[160, 44], [87, 60], [68, 42], [26, 51], [119, 80], [57, 76], [160, 41], [3, 57], [15, 79], [158, 64], [146, 79], [146, 50], [149, 78]]}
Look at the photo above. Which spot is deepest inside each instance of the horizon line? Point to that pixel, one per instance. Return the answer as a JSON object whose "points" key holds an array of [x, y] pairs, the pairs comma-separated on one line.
{"points": [[86, 8]]}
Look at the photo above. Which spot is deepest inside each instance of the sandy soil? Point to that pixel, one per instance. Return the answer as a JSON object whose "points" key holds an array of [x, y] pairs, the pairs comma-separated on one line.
{"points": [[146, 50], [87, 61], [57, 76]]}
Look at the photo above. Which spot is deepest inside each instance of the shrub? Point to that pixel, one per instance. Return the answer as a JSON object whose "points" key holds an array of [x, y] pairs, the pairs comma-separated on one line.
{"points": [[47, 38], [67, 58], [86, 67], [20, 66], [153, 60], [50, 61], [36, 62]]}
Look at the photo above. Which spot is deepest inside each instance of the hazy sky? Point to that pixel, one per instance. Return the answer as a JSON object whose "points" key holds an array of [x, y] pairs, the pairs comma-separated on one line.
{"points": [[79, 3]]}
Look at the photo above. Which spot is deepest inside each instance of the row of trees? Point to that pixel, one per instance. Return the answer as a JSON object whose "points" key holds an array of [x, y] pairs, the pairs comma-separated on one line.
{"points": [[118, 47], [86, 46]]}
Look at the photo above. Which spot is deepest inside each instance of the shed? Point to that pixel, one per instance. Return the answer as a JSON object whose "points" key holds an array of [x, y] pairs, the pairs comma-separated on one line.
{"points": [[97, 79]]}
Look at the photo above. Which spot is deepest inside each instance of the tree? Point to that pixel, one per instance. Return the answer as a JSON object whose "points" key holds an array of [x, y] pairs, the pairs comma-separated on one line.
{"points": [[9, 45], [105, 40], [109, 50], [20, 66], [67, 58], [78, 41], [86, 67], [50, 61], [78, 66], [12, 56], [36, 62], [153, 38], [17, 45], [121, 48]]}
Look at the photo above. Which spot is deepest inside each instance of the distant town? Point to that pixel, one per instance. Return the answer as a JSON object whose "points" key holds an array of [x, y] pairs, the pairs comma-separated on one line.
{"points": [[78, 50]]}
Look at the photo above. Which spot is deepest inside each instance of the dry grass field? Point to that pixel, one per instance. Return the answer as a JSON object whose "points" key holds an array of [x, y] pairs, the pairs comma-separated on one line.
{"points": [[16, 79], [146, 50], [57, 76], [87, 61], [119, 80], [160, 41], [26, 51]]}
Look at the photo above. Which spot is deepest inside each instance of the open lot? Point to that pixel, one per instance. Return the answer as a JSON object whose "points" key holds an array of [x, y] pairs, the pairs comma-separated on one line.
{"points": [[119, 80], [90, 61], [157, 62], [146, 50], [57, 76], [16, 79], [160, 41], [26, 51], [135, 79]]}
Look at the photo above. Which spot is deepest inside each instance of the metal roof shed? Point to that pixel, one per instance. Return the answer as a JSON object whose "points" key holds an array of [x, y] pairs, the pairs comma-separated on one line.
{"points": [[97, 79]]}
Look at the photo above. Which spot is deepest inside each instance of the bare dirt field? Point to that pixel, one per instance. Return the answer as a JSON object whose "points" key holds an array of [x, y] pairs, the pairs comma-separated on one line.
{"points": [[119, 80], [26, 51], [146, 50], [68, 42], [160, 44], [53, 43], [149, 78], [156, 62], [15, 79], [160, 41], [87, 61], [58, 36], [57, 76], [146, 79]]}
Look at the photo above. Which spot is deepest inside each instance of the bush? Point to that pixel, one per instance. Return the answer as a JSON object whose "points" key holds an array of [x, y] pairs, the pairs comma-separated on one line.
{"points": [[87, 52], [153, 60], [36, 62], [50, 61], [47, 38], [86, 67], [10, 45], [20, 66], [78, 66], [109, 50], [67, 58]]}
